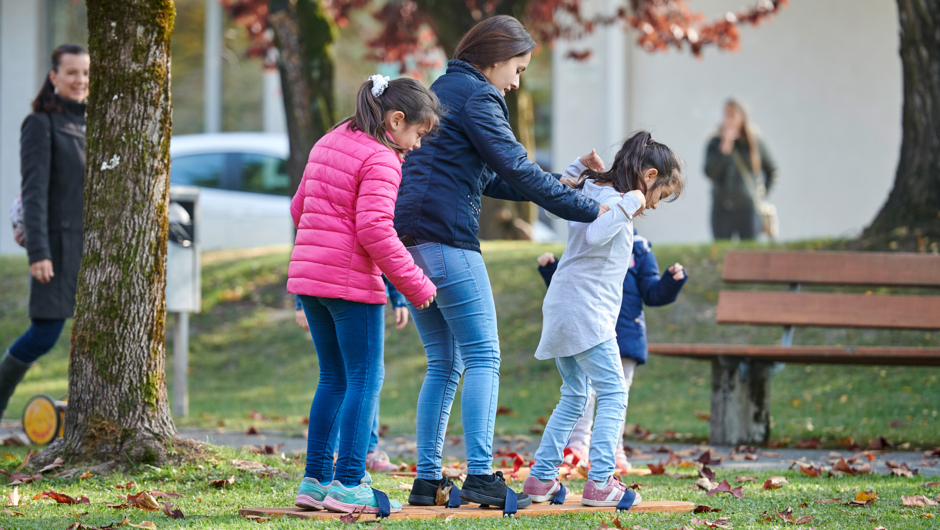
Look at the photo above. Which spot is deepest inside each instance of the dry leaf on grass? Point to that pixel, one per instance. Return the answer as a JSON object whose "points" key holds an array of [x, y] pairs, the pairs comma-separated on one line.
{"points": [[724, 523], [61, 498], [774, 483], [708, 459], [256, 518], [930, 484], [705, 484], [54, 465], [787, 517], [657, 469], [918, 500], [724, 487], [14, 496], [85, 475], [701, 508], [828, 501], [745, 479], [144, 501], [128, 486], [171, 512], [11, 512], [157, 494], [148, 525], [220, 483], [351, 518], [707, 472], [863, 498]]}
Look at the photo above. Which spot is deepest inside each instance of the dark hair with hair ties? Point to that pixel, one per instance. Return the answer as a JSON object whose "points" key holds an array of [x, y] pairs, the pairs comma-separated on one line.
{"points": [[494, 40], [638, 154], [45, 101], [418, 104]]}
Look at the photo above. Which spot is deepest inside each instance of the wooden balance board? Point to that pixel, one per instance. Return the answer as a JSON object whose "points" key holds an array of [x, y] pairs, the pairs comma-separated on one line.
{"points": [[473, 511], [523, 473]]}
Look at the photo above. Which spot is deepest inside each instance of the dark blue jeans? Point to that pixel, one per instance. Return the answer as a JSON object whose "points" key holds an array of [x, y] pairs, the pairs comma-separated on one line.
{"points": [[37, 341], [349, 338]]}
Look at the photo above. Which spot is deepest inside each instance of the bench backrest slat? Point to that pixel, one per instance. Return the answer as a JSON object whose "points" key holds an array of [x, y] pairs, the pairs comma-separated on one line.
{"points": [[833, 268], [828, 310]]}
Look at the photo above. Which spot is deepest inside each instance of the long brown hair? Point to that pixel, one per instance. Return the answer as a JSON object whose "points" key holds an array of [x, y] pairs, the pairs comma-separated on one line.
{"points": [[494, 40], [638, 154], [45, 101], [418, 104], [748, 134]]}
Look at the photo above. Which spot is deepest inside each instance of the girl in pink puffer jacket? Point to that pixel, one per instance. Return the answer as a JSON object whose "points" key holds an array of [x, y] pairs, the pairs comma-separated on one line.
{"points": [[343, 211]]}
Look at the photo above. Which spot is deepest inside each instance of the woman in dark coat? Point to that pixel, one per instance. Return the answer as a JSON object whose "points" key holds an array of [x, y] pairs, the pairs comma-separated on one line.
{"points": [[437, 216], [52, 165]]}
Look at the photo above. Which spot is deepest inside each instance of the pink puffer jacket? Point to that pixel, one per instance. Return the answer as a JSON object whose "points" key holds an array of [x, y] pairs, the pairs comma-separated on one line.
{"points": [[343, 212]]}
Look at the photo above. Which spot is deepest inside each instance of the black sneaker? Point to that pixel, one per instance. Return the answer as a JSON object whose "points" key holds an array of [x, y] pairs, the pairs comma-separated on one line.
{"points": [[424, 491], [490, 490]]}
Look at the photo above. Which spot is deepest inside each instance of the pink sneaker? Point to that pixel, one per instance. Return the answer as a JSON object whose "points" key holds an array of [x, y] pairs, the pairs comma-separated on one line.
{"points": [[378, 461], [608, 495], [540, 491]]}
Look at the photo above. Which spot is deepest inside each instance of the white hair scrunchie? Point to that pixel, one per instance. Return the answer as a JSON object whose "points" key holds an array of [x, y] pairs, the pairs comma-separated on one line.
{"points": [[379, 84]]}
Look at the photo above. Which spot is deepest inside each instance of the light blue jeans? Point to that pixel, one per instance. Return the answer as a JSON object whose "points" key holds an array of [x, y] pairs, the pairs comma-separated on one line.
{"points": [[598, 367], [459, 335]]}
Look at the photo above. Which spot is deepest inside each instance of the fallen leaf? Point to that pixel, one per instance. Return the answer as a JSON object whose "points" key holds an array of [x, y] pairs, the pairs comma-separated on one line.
{"points": [[723, 523], [879, 443], [918, 500], [448, 518], [705, 484], [616, 522], [252, 430], [505, 411], [657, 469], [128, 486], [708, 459], [54, 465], [146, 524], [80, 515], [863, 498], [442, 495], [931, 484], [707, 472], [828, 501], [157, 494], [745, 479], [259, 519], [787, 517], [701, 508], [29, 454], [61, 498], [11, 512], [707, 416], [87, 474], [144, 501], [724, 487], [811, 470], [220, 483], [603, 526], [352, 517], [812, 443], [775, 483], [14, 496], [173, 513]]}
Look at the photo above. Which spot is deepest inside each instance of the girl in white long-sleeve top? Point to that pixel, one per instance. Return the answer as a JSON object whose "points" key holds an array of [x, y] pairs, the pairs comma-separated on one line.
{"points": [[580, 315]]}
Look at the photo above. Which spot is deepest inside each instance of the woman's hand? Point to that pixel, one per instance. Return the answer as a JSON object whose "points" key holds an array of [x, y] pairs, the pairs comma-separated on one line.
{"points": [[42, 270], [678, 273], [301, 319], [571, 182], [592, 161], [401, 317], [602, 210], [729, 134], [426, 304], [545, 259]]}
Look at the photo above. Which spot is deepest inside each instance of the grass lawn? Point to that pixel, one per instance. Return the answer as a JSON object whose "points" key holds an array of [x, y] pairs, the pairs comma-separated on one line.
{"points": [[246, 353], [207, 507]]}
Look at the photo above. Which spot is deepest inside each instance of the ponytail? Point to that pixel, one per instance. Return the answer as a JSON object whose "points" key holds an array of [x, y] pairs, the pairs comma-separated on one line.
{"points": [[378, 96], [638, 154], [45, 101]]}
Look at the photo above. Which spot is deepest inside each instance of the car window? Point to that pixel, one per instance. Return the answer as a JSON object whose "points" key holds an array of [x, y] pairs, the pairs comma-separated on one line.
{"points": [[264, 174], [198, 170]]}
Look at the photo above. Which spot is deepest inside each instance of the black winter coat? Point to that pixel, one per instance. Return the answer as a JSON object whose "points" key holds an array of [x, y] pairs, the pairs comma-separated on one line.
{"points": [[52, 165], [474, 153]]}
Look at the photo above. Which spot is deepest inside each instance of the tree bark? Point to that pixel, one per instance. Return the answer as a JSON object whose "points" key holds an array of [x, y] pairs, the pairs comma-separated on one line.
{"points": [[117, 388], [304, 35], [910, 219]]}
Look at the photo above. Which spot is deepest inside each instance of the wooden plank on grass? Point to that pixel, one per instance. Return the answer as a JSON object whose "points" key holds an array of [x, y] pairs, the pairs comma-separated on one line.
{"points": [[833, 268], [828, 310]]}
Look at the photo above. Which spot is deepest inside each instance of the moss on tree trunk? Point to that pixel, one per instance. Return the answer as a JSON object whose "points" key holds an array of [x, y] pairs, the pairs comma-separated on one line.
{"points": [[117, 388], [910, 219]]}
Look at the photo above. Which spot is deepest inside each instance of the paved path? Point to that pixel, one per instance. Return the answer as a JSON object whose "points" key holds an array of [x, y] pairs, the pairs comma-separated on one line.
{"points": [[404, 447]]}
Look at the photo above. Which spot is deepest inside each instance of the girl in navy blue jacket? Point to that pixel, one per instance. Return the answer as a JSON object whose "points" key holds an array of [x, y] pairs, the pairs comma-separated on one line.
{"points": [[642, 285]]}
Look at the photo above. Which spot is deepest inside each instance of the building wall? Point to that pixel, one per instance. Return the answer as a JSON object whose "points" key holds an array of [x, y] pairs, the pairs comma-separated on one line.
{"points": [[22, 64], [823, 83]]}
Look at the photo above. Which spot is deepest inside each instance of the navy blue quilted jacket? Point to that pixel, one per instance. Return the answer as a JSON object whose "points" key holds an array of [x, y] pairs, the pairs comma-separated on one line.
{"points": [[475, 153], [642, 285]]}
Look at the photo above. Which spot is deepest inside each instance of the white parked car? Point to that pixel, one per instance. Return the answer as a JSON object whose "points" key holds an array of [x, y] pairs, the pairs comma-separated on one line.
{"points": [[245, 192]]}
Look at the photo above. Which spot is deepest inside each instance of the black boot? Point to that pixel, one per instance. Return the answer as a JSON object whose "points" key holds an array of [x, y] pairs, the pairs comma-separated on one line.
{"points": [[12, 371], [490, 490]]}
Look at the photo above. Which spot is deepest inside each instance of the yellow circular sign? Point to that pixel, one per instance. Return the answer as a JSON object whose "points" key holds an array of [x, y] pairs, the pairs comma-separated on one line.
{"points": [[41, 420]]}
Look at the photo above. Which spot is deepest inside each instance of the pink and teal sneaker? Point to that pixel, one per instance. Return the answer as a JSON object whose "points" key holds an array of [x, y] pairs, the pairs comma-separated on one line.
{"points": [[341, 499], [310, 494]]}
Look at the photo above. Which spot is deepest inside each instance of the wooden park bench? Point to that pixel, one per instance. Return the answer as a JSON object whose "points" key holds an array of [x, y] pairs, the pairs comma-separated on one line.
{"points": [[740, 399]]}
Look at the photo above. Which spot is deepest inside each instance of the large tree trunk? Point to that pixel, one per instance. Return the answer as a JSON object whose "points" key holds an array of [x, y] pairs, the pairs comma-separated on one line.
{"points": [[910, 219], [304, 34], [117, 388]]}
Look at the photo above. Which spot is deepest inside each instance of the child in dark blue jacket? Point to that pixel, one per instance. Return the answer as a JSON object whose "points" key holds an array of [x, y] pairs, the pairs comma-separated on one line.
{"points": [[376, 460], [642, 285]]}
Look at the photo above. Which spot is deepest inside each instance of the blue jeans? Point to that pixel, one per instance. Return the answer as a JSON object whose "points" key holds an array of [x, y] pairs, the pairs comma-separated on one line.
{"points": [[37, 340], [598, 367], [459, 335], [349, 338]]}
